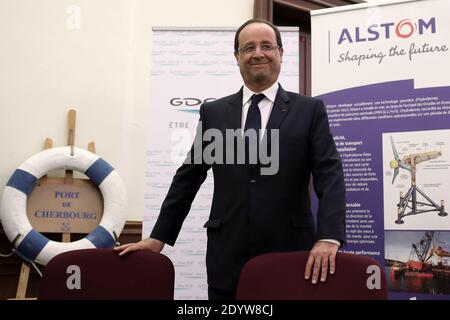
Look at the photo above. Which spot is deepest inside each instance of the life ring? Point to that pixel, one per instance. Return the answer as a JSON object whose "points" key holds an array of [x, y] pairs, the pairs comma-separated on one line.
{"points": [[31, 245]]}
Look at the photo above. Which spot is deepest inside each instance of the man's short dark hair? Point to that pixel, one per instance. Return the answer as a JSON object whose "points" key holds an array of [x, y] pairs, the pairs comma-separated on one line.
{"points": [[257, 20]]}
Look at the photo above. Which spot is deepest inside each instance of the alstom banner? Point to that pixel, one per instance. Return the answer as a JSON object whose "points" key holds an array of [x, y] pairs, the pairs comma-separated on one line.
{"points": [[189, 67], [383, 72]]}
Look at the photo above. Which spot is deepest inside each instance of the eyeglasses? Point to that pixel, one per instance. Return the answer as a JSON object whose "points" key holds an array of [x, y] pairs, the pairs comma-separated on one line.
{"points": [[251, 48]]}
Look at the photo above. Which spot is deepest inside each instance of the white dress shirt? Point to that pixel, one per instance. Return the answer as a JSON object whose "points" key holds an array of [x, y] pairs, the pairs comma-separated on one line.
{"points": [[265, 105]]}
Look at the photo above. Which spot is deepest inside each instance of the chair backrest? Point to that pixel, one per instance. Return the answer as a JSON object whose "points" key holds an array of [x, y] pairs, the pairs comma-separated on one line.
{"points": [[103, 274], [280, 276]]}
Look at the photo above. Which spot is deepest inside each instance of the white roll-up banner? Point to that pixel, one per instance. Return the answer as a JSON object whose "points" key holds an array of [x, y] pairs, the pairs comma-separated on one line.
{"points": [[190, 66]]}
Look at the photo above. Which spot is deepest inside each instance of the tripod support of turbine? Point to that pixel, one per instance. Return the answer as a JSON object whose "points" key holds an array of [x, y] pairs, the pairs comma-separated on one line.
{"points": [[410, 201]]}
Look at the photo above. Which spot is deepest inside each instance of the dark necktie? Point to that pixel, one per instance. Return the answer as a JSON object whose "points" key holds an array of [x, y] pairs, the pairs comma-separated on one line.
{"points": [[253, 122]]}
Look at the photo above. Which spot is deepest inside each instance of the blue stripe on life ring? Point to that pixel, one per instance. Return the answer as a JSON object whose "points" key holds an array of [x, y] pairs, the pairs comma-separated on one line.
{"points": [[22, 181], [101, 238], [32, 244], [98, 171]]}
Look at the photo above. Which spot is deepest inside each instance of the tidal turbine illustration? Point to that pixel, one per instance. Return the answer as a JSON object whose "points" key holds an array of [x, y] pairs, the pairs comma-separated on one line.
{"points": [[409, 200]]}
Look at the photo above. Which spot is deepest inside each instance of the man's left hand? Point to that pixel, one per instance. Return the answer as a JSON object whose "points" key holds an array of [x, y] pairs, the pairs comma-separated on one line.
{"points": [[322, 258]]}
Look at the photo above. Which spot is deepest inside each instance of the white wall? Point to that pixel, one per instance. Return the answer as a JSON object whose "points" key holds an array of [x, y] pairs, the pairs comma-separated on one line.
{"points": [[102, 68]]}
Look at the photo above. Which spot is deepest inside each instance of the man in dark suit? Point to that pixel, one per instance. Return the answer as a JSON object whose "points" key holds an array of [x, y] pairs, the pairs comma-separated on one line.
{"points": [[252, 212]]}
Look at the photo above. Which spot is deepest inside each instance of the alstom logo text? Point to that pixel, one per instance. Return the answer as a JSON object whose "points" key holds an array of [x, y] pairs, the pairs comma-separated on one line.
{"points": [[403, 29]]}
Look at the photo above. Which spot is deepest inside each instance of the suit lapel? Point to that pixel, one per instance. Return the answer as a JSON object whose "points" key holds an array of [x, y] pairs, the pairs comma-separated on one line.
{"points": [[279, 111], [234, 112], [234, 122]]}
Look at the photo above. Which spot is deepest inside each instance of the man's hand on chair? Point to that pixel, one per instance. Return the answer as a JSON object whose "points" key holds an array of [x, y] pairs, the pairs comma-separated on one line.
{"points": [[322, 258], [146, 244]]}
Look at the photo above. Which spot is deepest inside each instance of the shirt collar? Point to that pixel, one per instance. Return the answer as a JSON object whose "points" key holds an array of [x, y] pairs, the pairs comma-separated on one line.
{"points": [[270, 93]]}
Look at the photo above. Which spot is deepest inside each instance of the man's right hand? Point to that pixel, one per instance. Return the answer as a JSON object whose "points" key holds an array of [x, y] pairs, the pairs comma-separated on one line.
{"points": [[146, 244]]}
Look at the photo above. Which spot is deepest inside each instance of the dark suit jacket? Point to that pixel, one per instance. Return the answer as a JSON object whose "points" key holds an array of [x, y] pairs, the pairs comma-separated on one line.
{"points": [[267, 213]]}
